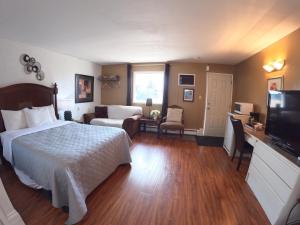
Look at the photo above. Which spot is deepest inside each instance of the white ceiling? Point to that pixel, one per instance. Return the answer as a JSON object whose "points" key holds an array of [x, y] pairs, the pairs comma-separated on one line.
{"points": [[113, 31]]}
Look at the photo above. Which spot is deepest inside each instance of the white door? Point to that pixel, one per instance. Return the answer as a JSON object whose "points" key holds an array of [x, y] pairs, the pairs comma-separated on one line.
{"points": [[218, 103]]}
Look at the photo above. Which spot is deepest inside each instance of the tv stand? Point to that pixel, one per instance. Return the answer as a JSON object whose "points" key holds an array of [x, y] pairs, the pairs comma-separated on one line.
{"points": [[273, 176], [283, 146]]}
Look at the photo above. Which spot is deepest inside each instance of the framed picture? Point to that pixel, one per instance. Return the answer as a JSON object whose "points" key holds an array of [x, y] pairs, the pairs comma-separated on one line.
{"points": [[275, 84], [84, 88], [185, 79], [188, 95]]}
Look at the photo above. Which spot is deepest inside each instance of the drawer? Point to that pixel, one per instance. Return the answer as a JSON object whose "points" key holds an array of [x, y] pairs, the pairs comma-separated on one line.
{"points": [[276, 162], [250, 139], [276, 183], [269, 201]]}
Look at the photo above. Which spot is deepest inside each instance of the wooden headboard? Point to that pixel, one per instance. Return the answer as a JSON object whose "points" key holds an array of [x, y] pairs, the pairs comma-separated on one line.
{"points": [[19, 96]]}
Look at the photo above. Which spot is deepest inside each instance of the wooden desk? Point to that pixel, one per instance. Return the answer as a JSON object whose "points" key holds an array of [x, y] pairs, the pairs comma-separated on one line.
{"points": [[273, 176], [252, 136]]}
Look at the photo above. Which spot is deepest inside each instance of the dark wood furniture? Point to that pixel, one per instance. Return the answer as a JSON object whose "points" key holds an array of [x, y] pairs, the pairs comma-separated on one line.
{"points": [[144, 122], [169, 125], [19, 96], [240, 144]]}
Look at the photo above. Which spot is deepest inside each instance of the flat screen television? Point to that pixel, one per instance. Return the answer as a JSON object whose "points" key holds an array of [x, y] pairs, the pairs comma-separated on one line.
{"points": [[283, 119]]}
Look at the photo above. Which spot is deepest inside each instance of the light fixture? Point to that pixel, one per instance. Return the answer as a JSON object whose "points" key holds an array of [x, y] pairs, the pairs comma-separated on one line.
{"points": [[149, 104], [268, 67], [275, 65], [278, 65]]}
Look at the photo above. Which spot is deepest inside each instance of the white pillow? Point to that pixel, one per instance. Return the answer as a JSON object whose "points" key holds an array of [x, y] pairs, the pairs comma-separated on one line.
{"points": [[174, 115], [37, 117], [50, 109], [13, 120]]}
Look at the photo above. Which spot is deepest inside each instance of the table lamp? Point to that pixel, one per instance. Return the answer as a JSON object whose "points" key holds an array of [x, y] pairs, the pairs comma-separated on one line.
{"points": [[149, 104]]}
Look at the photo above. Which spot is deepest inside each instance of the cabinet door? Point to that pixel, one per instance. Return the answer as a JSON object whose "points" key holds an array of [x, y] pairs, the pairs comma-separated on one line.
{"points": [[229, 137], [284, 169], [267, 198], [8, 215]]}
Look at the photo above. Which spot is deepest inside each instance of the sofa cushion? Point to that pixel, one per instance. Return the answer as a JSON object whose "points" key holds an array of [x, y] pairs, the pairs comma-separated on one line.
{"points": [[174, 115], [123, 112], [107, 122], [101, 112]]}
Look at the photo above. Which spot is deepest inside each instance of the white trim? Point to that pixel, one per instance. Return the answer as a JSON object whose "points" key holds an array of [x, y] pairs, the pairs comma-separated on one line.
{"points": [[187, 85], [186, 131], [206, 94], [200, 132]]}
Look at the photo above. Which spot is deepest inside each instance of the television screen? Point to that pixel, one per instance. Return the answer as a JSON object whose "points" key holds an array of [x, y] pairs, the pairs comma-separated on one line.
{"points": [[283, 118]]}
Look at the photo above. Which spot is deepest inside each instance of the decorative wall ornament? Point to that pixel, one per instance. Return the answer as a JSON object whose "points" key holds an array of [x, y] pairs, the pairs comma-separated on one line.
{"points": [[109, 81], [31, 65]]}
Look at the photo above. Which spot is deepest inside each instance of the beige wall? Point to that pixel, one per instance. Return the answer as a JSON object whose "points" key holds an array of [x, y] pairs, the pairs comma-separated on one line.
{"points": [[117, 95], [250, 82], [194, 112]]}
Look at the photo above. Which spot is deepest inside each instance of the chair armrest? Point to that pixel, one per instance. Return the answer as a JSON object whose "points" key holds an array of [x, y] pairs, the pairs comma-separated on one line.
{"points": [[88, 117], [135, 117]]}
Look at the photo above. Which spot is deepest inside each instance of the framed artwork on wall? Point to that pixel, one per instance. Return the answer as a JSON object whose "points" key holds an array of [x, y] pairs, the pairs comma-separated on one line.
{"points": [[275, 84], [185, 79], [84, 88], [188, 95]]}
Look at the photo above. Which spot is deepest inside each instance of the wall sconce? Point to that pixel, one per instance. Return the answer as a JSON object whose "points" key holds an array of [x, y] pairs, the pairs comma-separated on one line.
{"points": [[276, 65]]}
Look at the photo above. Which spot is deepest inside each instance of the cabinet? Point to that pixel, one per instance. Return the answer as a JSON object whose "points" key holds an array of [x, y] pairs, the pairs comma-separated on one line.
{"points": [[274, 179], [8, 215]]}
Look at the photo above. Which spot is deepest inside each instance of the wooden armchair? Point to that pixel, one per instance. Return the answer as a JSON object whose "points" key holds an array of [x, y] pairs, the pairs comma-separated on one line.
{"points": [[173, 121]]}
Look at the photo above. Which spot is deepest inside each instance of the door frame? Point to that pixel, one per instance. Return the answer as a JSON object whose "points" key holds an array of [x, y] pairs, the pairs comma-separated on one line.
{"points": [[206, 95]]}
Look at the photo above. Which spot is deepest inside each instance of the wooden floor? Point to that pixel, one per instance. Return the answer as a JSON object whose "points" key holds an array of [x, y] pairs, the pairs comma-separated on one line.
{"points": [[170, 181]]}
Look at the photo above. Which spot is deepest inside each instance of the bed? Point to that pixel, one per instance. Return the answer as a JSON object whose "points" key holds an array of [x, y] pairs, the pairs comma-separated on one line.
{"points": [[69, 159]]}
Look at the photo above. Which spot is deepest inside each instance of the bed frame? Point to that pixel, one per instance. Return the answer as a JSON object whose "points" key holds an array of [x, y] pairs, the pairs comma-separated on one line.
{"points": [[19, 96]]}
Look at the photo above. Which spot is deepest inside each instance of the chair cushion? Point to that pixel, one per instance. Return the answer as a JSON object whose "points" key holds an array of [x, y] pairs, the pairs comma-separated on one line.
{"points": [[101, 112], [107, 122], [172, 125], [174, 115]]}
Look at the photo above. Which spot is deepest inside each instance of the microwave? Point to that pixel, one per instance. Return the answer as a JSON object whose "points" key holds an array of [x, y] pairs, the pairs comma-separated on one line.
{"points": [[243, 108]]}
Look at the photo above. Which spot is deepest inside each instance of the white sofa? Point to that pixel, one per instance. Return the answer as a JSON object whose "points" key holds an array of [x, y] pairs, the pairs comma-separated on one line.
{"points": [[126, 117]]}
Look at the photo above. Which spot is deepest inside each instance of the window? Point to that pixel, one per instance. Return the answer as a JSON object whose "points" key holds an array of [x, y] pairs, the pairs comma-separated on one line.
{"points": [[148, 84]]}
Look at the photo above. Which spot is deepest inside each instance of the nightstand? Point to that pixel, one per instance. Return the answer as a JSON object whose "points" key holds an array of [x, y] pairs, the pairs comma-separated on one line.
{"points": [[144, 122]]}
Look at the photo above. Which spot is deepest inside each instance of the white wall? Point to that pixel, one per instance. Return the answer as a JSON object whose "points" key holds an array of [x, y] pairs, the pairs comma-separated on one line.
{"points": [[57, 67]]}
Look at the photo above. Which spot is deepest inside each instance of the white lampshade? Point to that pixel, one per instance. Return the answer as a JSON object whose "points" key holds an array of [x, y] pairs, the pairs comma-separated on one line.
{"points": [[278, 65], [268, 67]]}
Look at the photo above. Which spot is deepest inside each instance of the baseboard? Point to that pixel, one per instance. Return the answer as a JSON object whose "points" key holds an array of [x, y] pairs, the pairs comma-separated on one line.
{"points": [[200, 132], [186, 131]]}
